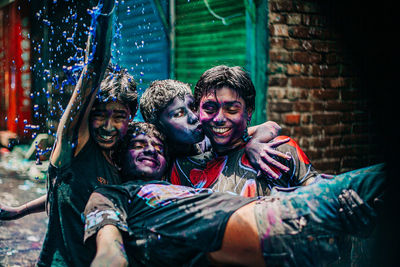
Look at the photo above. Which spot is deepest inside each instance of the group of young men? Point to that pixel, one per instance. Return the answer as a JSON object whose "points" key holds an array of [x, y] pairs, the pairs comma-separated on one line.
{"points": [[193, 185]]}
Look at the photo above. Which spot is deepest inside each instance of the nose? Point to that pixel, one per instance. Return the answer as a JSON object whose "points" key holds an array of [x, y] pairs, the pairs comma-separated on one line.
{"points": [[109, 126], [219, 118], [149, 150], [192, 117]]}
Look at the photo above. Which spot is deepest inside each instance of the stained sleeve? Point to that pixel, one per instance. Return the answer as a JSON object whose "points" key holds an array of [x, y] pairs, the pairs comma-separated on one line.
{"points": [[101, 211]]}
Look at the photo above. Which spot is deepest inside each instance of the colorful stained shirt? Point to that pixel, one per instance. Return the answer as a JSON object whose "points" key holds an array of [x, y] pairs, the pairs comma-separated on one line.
{"points": [[162, 224], [233, 173]]}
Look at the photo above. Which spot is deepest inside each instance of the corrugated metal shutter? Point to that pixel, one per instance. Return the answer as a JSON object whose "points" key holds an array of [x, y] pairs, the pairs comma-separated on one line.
{"points": [[203, 40], [143, 44]]}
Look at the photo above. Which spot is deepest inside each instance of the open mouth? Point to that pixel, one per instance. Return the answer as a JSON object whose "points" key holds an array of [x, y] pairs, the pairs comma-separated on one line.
{"points": [[220, 130], [148, 161], [106, 138]]}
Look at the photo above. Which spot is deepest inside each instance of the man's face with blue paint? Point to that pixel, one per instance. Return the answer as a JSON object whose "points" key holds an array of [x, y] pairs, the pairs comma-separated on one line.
{"points": [[145, 158], [108, 123], [180, 122]]}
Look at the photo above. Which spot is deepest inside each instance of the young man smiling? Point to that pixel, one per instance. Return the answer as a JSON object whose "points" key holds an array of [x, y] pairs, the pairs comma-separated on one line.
{"points": [[81, 160], [226, 100]]}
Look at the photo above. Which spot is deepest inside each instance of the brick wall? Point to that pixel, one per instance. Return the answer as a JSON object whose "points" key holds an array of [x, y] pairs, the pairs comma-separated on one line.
{"points": [[314, 89]]}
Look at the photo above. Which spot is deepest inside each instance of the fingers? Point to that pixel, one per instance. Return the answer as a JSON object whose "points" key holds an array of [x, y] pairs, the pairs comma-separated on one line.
{"points": [[357, 217], [277, 143], [269, 160], [274, 152], [267, 170]]}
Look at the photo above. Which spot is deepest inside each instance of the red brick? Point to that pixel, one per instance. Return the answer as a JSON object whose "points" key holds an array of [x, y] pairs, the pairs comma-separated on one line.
{"points": [[279, 56], [338, 129], [325, 94], [281, 5], [278, 81], [323, 46], [339, 82], [281, 106], [326, 119], [294, 18], [324, 70], [306, 57], [292, 44], [294, 69], [334, 105], [276, 42], [298, 32], [305, 82], [322, 142], [277, 18], [279, 30], [292, 119]]}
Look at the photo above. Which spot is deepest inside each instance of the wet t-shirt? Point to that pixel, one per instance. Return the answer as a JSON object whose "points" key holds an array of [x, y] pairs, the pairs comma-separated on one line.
{"points": [[162, 224], [69, 189], [233, 173]]}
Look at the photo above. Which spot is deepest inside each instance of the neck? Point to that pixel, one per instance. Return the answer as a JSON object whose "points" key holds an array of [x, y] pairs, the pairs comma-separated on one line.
{"points": [[226, 149]]}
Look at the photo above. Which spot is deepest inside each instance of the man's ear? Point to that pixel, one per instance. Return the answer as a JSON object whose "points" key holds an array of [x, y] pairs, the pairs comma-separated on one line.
{"points": [[249, 114]]}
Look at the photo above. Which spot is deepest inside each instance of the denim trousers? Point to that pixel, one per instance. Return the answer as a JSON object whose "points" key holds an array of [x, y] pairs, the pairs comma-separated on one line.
{"points": [[300, 228]]}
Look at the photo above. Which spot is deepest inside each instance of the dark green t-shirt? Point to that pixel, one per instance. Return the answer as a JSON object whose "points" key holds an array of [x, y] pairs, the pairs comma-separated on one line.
{"points": [[69, 189], [163, 224]]}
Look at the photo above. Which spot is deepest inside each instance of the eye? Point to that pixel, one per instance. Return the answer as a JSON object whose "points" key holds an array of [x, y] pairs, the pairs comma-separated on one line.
{"points": [[119, 118], [159, 148], [136, 145], [209, 108], [232, 109], [99, 115], [179, 113]]}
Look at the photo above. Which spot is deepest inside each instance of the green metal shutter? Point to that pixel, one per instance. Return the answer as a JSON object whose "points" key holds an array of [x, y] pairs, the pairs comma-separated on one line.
{"points": [[142, 43], [203, 40]]}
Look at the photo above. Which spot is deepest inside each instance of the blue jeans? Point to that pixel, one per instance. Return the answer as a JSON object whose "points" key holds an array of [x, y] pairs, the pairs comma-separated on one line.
{"points": [[300, 228]]}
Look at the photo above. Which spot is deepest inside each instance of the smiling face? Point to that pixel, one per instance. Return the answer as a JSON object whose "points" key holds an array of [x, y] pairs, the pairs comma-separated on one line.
{"points": [[145, 158], [224, 117], [108, 123], [180, 122]]}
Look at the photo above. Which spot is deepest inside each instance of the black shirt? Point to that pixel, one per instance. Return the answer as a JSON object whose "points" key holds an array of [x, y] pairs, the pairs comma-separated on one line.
{"points": [[69, 189], [163, 224]]}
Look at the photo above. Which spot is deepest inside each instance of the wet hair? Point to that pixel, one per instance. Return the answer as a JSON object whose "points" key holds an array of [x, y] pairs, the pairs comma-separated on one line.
{"points": [[159, 95], [135, 129], [221, 76], [118, 85]]}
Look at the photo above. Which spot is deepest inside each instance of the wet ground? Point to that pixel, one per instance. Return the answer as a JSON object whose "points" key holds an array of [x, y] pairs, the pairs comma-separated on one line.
{"points": [[20, 240]]}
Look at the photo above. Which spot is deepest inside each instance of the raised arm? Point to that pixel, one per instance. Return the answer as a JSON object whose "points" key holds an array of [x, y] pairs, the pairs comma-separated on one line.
{"points": [[13, 213], [110, 249], [73, 129]]}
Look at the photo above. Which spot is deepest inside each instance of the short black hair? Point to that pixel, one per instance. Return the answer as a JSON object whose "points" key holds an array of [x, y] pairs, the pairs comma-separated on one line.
{"points": [[159, 95], [118, 85], [221, 76]]}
